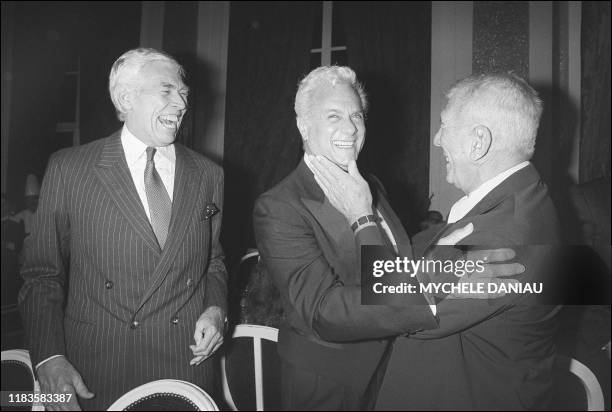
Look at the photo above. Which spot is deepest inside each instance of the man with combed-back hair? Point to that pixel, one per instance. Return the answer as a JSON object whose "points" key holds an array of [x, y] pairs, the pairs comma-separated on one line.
{"points": [[485, 354], [310, 253], [124, 277]]}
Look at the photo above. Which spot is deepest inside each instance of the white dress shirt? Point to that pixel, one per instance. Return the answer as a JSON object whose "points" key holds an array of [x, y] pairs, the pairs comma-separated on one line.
{"points": [[136, 158], [463, 206]]}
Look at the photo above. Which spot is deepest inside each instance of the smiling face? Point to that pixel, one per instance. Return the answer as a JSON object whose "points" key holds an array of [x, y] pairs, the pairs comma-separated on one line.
{"points": [[156, 104], [335, 127], [454, 139]]}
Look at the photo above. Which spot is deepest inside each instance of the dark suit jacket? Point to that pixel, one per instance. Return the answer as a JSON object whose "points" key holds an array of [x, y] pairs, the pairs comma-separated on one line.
{"points": [[486, 354], [311, 254], [130, 308]]}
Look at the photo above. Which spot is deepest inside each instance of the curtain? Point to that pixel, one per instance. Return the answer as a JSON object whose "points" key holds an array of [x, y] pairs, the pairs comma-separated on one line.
{"points": [[180, 41], [595, 136], [269, 51], [389, 46], [105, 33], [48, 42]]}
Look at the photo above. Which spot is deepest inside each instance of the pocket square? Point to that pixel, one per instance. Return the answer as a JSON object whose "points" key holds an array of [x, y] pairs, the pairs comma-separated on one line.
{"points": [[210, 211]]}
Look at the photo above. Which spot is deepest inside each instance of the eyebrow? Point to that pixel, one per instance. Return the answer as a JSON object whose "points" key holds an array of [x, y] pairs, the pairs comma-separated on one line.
{"points": [[341, 111], [172, 86]]}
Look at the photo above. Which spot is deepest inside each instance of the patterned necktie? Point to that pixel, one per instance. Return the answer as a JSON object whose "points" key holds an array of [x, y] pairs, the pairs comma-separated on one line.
{"points": [[160, 205]]}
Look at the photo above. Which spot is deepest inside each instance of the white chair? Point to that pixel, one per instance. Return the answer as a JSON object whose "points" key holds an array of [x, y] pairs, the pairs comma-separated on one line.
{"points": [[166, 393], [249, 254], [19, 359], [257, 332], [594, 394]]}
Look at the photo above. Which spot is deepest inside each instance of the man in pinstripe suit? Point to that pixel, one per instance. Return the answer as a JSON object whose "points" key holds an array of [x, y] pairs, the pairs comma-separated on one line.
{"points": [[125, 269]]}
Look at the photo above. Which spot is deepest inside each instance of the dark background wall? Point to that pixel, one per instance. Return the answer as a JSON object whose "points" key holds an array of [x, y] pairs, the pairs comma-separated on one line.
{"points": [[595, 131], [388, 45], [269, 49], [50, 40]]}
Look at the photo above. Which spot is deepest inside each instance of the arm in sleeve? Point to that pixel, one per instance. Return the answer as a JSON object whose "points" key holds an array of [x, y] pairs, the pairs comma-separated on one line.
{"points": [[41, 298], [216, 284], [306, 280], [457, 315]]}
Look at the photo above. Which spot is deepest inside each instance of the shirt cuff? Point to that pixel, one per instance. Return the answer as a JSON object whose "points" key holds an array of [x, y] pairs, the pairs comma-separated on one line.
{"points": [[47, 360], [434, 310]]}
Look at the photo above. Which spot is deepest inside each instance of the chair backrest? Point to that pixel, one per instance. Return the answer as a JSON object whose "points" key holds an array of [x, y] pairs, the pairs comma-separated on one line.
{"points": [[240, 277], [593, 392], [257, 333], [17, 374], [261, 300], [167, 395], [251, 253]]}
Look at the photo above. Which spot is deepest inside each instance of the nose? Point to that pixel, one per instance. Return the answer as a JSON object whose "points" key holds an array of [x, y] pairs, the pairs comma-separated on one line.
{"points": [[179, 101], [349, 127], [436, 141]]}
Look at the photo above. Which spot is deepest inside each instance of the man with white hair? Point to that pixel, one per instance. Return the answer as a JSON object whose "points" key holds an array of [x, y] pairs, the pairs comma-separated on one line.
{"points": [[124, 277], [485, 355], [331, 346]]}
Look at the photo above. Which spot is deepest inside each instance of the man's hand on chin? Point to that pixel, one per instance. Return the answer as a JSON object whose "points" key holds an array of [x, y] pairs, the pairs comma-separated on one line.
{"points": [[209, 331], [57, 375], [347, 191]]}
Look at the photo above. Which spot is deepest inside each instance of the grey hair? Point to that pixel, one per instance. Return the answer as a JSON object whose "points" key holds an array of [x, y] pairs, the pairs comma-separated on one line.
{"points": [[326, 75], [508, 103], [125, 71]]}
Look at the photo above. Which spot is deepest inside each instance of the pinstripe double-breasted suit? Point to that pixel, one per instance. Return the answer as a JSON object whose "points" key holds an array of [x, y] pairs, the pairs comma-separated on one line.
{"points": [[99, 290]]}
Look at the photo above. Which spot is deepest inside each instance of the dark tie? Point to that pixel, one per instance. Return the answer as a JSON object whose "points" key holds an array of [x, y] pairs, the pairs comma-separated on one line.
{"points": [[160, 205]]}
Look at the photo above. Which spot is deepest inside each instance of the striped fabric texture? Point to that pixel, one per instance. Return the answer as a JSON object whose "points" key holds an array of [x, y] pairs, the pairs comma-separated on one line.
{"points": [[98, 288]]}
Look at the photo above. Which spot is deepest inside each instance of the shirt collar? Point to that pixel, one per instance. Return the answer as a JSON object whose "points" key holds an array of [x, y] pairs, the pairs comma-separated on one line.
{"points": [[134, 148], [462, 207], [308, 163], [485, 188]]}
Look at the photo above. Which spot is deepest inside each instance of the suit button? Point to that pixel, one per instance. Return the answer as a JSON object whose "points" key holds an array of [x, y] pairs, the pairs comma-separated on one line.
{"points": [[189, 282], [108, 284], [134, 325], [175, 320]]}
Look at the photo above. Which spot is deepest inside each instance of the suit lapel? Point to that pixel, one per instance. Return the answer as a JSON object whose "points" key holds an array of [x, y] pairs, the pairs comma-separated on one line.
{"points": [[505, 189], [333, 222], [184, 198], [401, 237], [508, 187], [112, 170], [186, 180]]}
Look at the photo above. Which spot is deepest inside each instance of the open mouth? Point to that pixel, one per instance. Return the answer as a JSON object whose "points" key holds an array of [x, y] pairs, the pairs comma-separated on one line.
{"points": [[344, 144], [169, 121]]}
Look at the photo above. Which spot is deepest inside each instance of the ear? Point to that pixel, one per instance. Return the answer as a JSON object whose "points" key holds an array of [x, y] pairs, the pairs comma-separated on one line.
{"points": [[480, 142], [124, 97], [301, 125]]}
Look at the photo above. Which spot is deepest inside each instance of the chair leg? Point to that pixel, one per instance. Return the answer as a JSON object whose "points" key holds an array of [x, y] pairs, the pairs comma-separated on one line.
{"points": [[259, 397]]}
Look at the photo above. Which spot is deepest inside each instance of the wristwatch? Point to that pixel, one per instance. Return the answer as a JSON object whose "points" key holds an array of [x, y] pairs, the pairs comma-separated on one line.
{"points": [[363, 220]]}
